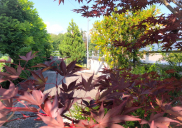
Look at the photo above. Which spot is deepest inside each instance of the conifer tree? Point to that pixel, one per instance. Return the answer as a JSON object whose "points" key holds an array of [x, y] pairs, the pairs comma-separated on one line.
{"points": [[73, 46]]}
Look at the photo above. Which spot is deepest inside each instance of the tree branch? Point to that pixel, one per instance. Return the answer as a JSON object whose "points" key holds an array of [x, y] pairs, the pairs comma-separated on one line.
{"points": [[168, 6], [74, 120], [177, 3]]}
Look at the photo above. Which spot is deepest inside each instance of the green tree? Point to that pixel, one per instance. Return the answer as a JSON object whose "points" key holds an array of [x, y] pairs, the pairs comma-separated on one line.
{"points": [[56, 40], [91, 46], [174, 60], [22, 30], [84, 35], [73, 46], [118, 27], [92, 49]]}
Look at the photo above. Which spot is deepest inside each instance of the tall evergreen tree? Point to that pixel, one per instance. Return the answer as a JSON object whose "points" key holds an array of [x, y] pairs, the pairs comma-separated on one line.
{"points": [[73, 46]]}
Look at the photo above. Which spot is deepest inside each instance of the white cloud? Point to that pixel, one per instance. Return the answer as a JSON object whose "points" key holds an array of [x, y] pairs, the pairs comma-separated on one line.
{"points": [[54, 28]]}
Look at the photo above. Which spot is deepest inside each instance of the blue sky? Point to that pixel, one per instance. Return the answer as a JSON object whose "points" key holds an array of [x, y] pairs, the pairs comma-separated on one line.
{"points": [[57, 17]]}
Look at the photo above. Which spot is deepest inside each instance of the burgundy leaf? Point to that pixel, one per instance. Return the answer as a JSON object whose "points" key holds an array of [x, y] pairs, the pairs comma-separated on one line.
{"points": [[63, 67], [101, 112], [8, 102], [28, 56], [112, 116], [71, 66], [61, 1], [29, 109], [85, 123], [152, 125], [9, 75], [36, 98], [10, 70], [87, 85], [2, 79], [90, 79], [28, 84], [115, 111], [64, 87], [121, 118], [108, 95], [116, 126], [153, 117], [47, 68], [19, 69], [144, 122], [85, 102], [128, 110], [39, 80], [40, 65], [3, 113], [8, 93], [72, 85], [52, 109], [166, 120], [52, 122], [84, 82], [97, 96]]}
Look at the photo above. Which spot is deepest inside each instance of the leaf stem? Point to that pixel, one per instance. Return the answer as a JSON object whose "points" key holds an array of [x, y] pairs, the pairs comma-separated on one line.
{"points": [[22, 118], [74, 121]]}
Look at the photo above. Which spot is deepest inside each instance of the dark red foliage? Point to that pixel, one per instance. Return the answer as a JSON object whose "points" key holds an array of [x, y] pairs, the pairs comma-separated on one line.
{"points": [[172, 22], [119, 92]]}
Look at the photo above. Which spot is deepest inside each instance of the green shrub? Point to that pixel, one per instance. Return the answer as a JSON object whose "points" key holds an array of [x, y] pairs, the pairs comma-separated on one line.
{"points": [[76, 112], [5, 57], [54, 53], [133, 124]]}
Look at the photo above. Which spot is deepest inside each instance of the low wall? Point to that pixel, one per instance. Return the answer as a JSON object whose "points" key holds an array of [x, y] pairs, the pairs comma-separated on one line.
{"points": [[96, 66]]}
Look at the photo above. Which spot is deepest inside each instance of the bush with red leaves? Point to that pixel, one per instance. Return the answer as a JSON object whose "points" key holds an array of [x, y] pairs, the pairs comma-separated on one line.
{"points": [[120, 93]]}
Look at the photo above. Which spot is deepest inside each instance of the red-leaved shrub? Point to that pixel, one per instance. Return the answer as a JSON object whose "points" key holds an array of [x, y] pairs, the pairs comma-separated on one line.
{"points": [[120, 93]]}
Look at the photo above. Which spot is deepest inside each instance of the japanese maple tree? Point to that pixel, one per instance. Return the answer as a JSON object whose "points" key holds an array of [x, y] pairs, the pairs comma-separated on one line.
{"points": [[120, 93], [168, 35]]}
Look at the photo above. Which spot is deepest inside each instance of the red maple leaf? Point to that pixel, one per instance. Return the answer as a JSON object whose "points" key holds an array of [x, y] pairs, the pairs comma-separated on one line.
{"points": [[28, 56]]}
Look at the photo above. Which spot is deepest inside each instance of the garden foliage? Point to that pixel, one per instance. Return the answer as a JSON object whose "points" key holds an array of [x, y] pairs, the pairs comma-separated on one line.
{"points": [[122, 96], [56, 40], [119, 27], [119, 94], [168, 35], [174, 59], [22, 30], [73, 47]]}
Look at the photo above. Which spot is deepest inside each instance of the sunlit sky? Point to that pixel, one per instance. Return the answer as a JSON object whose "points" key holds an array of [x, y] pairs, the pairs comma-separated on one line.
{"points": [[57, 17]]}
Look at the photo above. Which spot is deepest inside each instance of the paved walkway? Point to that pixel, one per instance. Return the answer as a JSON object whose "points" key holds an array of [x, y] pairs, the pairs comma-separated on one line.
{"points": [[30, 123], [52, 79]]}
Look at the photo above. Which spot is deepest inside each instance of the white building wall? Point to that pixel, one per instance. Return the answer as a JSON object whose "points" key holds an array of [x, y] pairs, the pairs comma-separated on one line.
{"points": [[95, 65]]}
